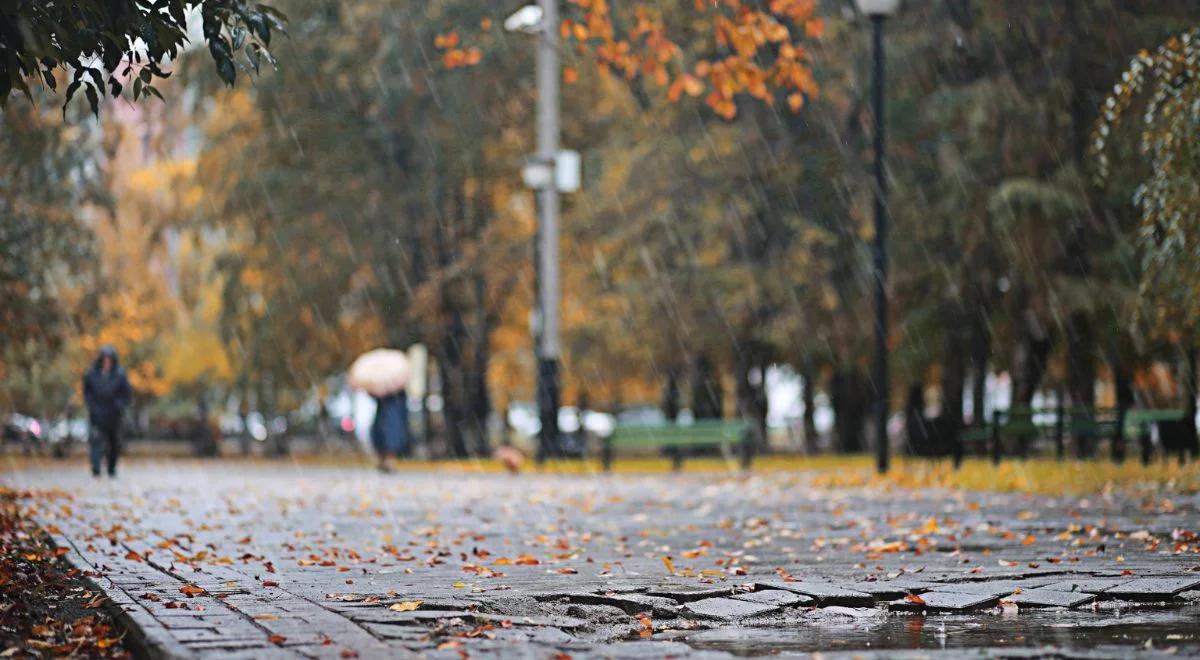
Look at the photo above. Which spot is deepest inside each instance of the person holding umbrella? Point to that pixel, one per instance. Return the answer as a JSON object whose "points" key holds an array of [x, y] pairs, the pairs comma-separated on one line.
{"points": [[383, 373]]}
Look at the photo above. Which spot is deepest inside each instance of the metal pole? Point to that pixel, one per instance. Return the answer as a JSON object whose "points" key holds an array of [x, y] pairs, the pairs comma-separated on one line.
{"points": [[548, 74], [880, 257]]}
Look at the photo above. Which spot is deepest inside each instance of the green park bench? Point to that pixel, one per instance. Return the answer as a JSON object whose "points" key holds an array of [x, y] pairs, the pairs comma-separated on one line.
{"points": [[676, 439], [1029, 424], [1138, 424]]}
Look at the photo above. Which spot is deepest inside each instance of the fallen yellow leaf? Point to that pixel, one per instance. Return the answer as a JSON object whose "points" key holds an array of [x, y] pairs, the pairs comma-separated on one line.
{"points": [[408, 605]]}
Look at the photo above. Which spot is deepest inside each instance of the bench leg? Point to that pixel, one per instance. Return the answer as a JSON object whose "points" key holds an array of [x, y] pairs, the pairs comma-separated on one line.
{"points": [[1147, 449], [606, 455], [996, 449], [1118, 439], [747, 452], [676, 458]]}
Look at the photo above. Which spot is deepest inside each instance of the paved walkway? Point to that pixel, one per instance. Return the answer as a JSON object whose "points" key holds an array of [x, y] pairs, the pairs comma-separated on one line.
{"points": [[228, 561]]}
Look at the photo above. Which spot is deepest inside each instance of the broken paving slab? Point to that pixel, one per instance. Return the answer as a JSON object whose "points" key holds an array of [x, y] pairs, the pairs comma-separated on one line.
{"points": [[777, 597], [728, 609], [1046, 597], [893, 589], [945, 601], [630, 603], [684, 593], [1086, 585], [385, 616], [1152, 588], [998, 588], [825, 593]]}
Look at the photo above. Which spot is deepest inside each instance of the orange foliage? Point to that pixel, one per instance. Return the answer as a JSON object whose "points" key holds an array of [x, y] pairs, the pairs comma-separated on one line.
{"points": [[763, 56]]}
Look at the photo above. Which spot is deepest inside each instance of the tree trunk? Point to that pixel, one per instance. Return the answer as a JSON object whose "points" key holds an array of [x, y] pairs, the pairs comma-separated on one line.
{"points": [[670, 400], [809, 373], [850, 405], [1033, 347], [1189, 385], [479, 403], [706, 389], [954, 379], [450, 365], [1123, 384], [981, 351], [751, 397], [1081, 375]]}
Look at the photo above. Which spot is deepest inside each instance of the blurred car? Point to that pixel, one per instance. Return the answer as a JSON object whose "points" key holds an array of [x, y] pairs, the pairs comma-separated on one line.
{"points": [[641, 415], [22, 428], [523, 418]]}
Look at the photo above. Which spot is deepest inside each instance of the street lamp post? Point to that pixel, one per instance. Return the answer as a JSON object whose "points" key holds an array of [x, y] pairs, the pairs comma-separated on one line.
{"points": [[548, 75], [878, 11], [542, 20]]}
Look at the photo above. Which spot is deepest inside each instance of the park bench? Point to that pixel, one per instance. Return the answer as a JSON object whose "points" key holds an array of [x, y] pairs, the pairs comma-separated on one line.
{"points": [[1140, 423], [677, 439], [1025, 425]]}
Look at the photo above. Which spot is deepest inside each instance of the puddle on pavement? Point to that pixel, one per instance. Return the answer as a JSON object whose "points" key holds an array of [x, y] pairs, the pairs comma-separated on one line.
{"points": [[1164, 628]]}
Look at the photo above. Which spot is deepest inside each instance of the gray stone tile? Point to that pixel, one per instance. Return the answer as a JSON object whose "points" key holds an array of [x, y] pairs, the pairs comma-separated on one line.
{"points": [[1152, 588], [687, 593], [777, 597], [824, 593], [1086, 585], [892, 589], [948, 601], [997, 588], [727, 609], [1046, 597], [630, 603]]}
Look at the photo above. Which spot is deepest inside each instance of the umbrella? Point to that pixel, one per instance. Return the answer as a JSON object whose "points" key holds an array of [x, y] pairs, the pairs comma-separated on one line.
{"points": [[380, 372]]}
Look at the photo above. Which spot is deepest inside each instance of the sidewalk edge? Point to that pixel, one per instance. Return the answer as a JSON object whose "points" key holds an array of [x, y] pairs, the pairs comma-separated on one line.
{"points": [[145, 636]]}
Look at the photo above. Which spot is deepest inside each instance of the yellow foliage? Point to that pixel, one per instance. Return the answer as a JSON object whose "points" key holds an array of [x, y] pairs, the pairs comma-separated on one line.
{"points": [[193, 355]]}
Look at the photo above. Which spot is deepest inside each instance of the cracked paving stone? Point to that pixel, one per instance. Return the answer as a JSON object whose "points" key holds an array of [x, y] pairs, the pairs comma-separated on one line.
{"points": [[946, 601], [1152, 589], [384, 615], [824, 593], [777, 597], [687, 593], [835, 612], [1046, 597], [728, 609], [999, 588], [630, 603], [389, 617], [1085, 585], [893, 589]]}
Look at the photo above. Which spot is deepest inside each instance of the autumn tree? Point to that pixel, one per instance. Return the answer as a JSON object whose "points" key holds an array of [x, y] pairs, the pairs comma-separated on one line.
{"points": [[48, 177], [105, 47]]}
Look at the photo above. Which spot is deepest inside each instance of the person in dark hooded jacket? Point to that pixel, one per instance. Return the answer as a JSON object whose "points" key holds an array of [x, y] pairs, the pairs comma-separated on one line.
{"points": [[106, 392]]}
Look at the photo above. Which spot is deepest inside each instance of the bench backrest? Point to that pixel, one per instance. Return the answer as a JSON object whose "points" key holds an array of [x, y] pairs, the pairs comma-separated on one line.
{"points": [[678, 435]]}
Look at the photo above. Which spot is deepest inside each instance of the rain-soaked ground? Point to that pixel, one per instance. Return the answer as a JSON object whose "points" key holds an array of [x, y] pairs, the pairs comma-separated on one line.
{"points": [[1173, 629], [219, 559]]}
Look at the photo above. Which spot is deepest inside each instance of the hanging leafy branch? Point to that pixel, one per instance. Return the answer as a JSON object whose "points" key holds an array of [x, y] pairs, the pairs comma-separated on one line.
{"points": [[106, 46], [1167, 80], [754, 48]]}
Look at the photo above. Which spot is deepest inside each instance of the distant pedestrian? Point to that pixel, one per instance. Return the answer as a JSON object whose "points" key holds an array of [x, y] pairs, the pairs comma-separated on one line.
{"points": [[389, 432], [106, 392]]}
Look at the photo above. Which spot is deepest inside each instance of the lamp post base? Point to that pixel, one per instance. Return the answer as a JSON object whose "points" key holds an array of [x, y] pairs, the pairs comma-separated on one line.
{"points": [[548, 397]]}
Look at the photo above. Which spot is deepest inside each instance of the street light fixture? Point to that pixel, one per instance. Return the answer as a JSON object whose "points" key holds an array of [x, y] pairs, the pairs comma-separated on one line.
{"points": [[542, 20], [527, 19], [878, 11]]}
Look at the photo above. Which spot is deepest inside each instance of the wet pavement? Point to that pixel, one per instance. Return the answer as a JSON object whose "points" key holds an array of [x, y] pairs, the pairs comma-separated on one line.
{"points": [[224, 560]]}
